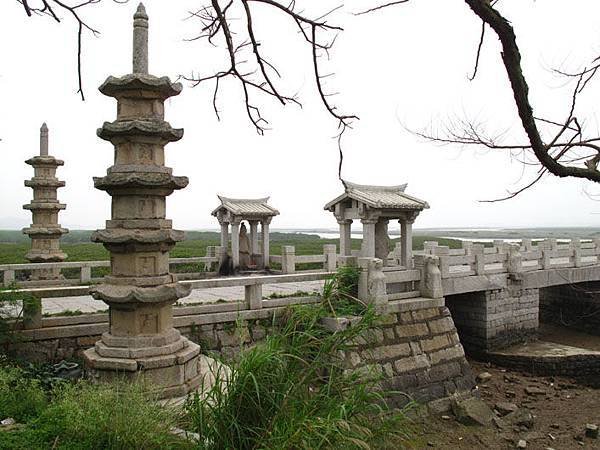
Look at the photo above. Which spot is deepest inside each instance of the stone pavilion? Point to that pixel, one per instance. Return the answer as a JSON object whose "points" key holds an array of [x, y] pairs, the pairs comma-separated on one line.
{"points": [[231, 212], [375, 206]]}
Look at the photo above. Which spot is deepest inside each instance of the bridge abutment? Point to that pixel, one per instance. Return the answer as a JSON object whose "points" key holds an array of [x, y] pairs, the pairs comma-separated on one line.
{"points": [[494, 319]]}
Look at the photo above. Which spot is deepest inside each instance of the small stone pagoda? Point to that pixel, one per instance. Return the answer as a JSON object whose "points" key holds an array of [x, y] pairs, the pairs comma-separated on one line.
{"points": [[232, 211], [45, 231], [375, 206], [140, 290]]}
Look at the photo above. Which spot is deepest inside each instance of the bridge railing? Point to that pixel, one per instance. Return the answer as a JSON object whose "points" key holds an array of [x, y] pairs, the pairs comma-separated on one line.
{"points": [[504, 257], [251, 304], [82, 271], [288, 262]]}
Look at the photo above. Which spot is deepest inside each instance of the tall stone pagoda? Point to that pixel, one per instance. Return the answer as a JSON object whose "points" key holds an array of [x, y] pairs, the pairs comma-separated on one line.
{"points": [[45, 231], [140, 291]]}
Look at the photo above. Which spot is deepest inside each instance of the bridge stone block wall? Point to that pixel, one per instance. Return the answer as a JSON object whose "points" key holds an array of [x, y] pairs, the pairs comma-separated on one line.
{"points": [[574, 306], [494, 319], [417, 351], [416, 348]]}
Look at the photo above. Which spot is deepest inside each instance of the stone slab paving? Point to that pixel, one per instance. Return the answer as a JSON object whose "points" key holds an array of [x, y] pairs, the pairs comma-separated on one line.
{"points": [[87, 304]]}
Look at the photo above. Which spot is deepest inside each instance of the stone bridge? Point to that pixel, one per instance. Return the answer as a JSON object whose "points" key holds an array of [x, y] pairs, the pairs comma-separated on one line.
{"points": [[496, 294]]}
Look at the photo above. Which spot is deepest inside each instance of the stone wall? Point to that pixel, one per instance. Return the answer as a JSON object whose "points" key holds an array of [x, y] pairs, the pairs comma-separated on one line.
{"points": [[418, 352], [572, 305], [495, 319], [416, 348]]}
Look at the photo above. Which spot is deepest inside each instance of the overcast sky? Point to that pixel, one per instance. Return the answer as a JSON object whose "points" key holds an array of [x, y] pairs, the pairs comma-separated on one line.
{"points": [[405, 66]]}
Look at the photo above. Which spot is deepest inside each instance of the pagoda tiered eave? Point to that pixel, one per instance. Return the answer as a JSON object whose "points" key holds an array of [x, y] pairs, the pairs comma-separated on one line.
{"points": [[126, 236], [144, 128], [155, 180], [45, 160], [141, 86]]}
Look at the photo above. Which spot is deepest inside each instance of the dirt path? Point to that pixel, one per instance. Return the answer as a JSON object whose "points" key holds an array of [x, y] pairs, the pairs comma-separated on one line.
{"points": [[561, 408]]}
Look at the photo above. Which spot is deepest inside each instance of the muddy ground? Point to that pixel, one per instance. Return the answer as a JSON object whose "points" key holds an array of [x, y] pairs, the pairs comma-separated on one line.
{"points": [[561, 407]]}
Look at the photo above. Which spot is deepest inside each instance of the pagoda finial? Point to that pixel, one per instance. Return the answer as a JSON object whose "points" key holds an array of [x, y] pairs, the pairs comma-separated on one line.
{"points": [[44, 140], [140, 40]]}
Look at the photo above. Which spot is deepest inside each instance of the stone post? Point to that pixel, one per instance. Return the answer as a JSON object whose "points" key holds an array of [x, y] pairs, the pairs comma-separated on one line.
{"points": [[330, 252], [140, 292], [8, 277], [45, 231], [382, 241], [368, 240], [467, 246], [577, 257], [546, 261], [264, 228], [430, 285], [210, 253], [253, 296], [371, 282], [288, 259], [235, 244], [515, 260], [527, 245], [429, 246], [345, 237], [406, 239], [478, 252]]}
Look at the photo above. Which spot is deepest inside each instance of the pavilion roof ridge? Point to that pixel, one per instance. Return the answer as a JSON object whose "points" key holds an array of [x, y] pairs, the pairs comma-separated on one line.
{"points": [[379, 197], [246, 206]]}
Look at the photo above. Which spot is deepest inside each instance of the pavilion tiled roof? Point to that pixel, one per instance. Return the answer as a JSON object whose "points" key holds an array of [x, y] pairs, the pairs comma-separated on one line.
{"points": [[379, 197], [246, 206]]}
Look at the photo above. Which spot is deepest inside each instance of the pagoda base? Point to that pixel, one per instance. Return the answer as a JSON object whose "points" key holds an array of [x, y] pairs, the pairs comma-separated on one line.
{"points": [[169, 375]]}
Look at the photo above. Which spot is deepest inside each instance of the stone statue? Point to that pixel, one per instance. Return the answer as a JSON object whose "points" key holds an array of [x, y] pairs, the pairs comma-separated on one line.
{"points": [[244, 248]]}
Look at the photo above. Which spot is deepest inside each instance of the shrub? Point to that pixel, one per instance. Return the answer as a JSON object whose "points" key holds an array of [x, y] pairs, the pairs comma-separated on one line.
{"points": [[291, 392], [340, 293], [21, 397], [106, 416]]}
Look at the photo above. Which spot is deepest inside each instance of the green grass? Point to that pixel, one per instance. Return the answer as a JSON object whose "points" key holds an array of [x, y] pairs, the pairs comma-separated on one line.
{"points": [[82, 415], [291, 392], [14, 246]]}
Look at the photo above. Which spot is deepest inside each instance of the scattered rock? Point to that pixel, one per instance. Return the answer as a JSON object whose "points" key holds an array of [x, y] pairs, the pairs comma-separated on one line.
{"points": [[533, 436], [556, 426], [7, 422], [505, 408], [499, 422], [520, 417], [484, 377], [591, 431], [510, 394], [522, 443], [446, 417], [534, 390], [472, 411]]}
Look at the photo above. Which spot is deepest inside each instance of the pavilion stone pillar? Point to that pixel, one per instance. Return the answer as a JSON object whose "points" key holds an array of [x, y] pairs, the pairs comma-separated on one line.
{"points": [[406, 242], [382, 241], [235, 243], [253, 237], [264, 228], [45, 231], [345, 236], [225, 235], [368, 241], [141, 341]]}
